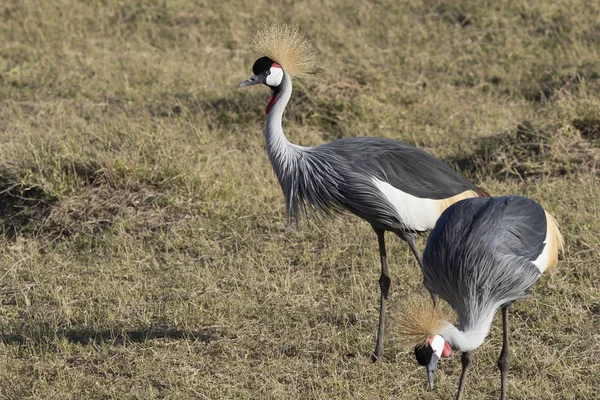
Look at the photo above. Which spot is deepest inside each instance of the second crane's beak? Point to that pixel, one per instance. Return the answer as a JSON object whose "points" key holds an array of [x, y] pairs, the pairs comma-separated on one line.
{"points": [[255, 80], [431, 370]]}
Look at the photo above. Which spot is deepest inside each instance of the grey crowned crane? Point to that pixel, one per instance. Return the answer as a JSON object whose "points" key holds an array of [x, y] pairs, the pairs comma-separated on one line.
{"points": [[392, 185], [483, 254]]}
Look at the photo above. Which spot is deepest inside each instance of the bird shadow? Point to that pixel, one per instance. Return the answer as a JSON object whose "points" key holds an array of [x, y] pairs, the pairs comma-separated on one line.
{"points": [[20, 204], [113, 336]]}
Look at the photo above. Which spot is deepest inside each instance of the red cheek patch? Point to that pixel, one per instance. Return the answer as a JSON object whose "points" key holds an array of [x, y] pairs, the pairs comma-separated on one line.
{"points": [[447, 350], [275, 65], [271, 103]]}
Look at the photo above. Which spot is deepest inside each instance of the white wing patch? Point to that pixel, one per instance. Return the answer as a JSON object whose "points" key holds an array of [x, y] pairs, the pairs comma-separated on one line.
{"points": [[544, 258], [416, 213]]}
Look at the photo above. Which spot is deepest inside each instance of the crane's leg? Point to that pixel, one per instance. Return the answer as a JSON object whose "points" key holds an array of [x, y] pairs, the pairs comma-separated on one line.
{"points": [[503, 361], [465, 360], [410, 239], [384, 286]]}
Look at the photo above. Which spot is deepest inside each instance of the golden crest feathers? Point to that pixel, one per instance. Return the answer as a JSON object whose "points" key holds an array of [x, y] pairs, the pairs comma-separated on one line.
{"points": [[419, 319], [287, 46]]}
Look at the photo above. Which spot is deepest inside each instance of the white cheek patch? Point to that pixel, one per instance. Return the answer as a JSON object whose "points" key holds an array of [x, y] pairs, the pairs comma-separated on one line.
{"points": [[437, 344], [275, 77]]}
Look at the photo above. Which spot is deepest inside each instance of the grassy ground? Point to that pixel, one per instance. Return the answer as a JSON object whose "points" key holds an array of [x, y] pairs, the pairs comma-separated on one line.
{"points": [[144, 251]]}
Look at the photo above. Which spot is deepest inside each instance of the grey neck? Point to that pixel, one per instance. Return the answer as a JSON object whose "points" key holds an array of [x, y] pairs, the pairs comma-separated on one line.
{"points": [[469, 338], [282, 153]]}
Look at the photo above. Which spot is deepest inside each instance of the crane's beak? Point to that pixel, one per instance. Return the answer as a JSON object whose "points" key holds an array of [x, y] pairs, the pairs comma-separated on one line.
{"points": [[431, 370], [254, 80]]}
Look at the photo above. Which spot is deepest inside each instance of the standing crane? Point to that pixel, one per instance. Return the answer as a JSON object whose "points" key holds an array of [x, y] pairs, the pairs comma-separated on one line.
{"points": [[392, 185], [483, 254]]}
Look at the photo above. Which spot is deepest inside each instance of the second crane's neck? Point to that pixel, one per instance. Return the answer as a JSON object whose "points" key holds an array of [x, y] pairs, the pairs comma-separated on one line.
{"points": [[282, 153], [467, 338]]}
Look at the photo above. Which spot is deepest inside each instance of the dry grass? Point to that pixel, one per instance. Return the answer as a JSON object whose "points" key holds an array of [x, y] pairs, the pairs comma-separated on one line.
{"points": [[144, 247]]}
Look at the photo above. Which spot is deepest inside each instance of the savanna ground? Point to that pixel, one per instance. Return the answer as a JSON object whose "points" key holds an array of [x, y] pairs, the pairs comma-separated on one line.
{"points": [[144, 247]]}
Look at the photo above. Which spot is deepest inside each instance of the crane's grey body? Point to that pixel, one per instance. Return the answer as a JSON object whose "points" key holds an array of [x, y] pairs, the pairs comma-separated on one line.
{"points": [[392, 185], [339, 175], [483, 254], [500, 238]]}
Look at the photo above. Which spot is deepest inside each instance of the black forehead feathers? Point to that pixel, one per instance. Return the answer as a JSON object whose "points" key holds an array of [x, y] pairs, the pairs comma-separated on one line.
{"points": [[262, 64], [424, 354]]}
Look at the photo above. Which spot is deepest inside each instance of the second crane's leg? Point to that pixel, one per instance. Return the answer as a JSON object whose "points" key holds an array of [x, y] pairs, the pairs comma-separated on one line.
{"points": [[503, 361], [410, 239], [384, 286], [466, 363]]}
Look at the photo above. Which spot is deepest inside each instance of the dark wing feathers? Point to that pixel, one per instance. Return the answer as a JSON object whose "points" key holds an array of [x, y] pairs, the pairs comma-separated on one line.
{"points": [[403, 166], [525, 226], [480, 253]]}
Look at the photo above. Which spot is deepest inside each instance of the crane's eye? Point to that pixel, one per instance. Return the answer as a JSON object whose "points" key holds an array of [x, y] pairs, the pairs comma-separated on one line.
{"points": [[268, 72]]}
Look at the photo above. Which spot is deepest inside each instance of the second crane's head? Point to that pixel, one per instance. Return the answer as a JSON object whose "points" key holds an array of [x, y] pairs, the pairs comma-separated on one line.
{"points": [[421, 326], [429, 355], [285, 51]]}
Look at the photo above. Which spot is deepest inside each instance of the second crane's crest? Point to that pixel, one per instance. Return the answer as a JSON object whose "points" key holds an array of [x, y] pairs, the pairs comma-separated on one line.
{"points": [[287, 46], [419, 320]]}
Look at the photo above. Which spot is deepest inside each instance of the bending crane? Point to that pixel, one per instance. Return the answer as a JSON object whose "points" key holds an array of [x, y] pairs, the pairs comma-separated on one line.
{"points": [[392, 185], [483, 254]]}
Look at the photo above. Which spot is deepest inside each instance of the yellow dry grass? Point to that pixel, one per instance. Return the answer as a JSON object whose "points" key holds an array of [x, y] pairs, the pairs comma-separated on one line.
{"points": [[144, 252]]}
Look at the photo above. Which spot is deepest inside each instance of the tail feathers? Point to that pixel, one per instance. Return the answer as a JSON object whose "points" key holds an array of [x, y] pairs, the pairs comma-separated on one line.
{"points": [[445, 203], [555, 241], [481, 192]]}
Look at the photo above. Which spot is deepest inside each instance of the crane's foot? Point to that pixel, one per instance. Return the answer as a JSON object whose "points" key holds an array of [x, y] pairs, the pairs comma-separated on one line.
{"points": [[375, 358]]}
